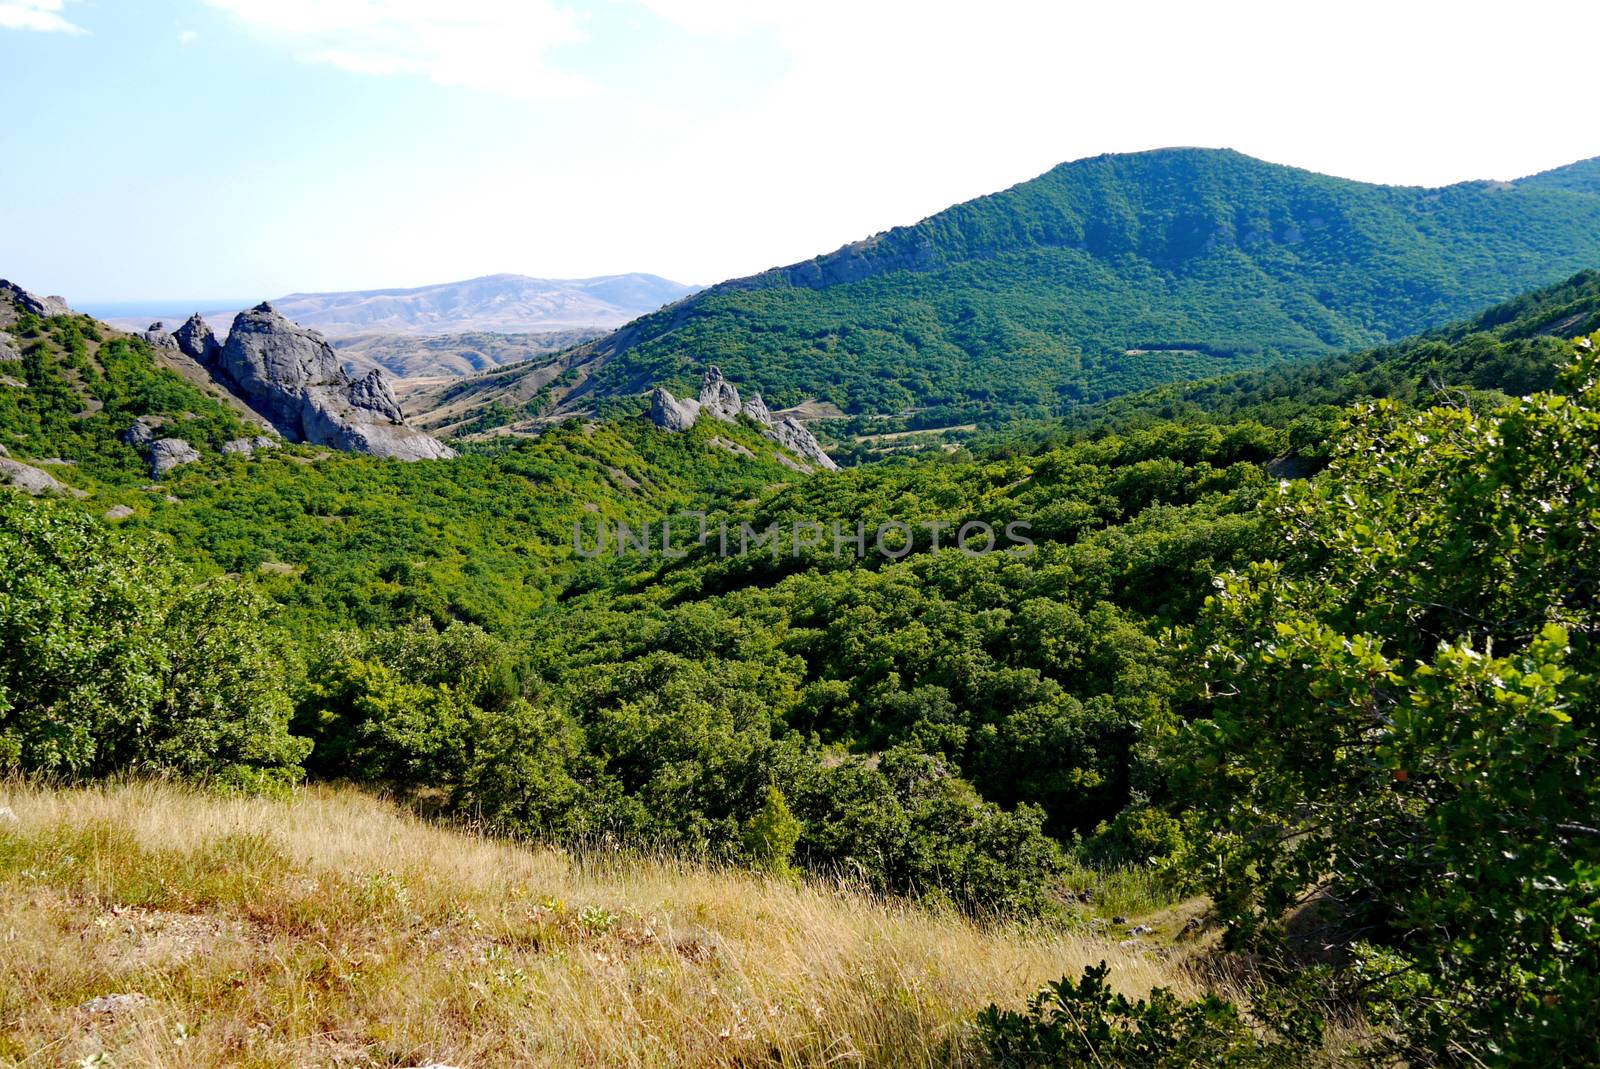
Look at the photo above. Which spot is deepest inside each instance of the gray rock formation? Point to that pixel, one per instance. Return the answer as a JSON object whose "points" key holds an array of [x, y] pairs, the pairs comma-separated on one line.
{"points": [[196, 341], [246, 446], [718, 397], [118, 512], [40, 306], [733, 447], [671, 414], [793, 436], [112, 1005], [158, 335], [292, 376], [142, 433], [169, 453], [32, 480], [374, 393], [756, 409]]}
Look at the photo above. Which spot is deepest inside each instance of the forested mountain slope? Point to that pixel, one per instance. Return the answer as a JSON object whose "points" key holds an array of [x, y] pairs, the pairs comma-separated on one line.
{"points": [[1513, 348], [1100, 277]]}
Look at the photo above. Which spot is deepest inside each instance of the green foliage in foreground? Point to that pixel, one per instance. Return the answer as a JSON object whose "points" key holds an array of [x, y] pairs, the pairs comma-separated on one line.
{"points": [[111, 661], [941, 725], [1087, 1025], [663, 751], [1401, 713]]}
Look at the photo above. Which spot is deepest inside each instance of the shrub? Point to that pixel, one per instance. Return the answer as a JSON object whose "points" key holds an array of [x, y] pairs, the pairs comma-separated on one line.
{"points": [[1402, 713], [113, 660], [770, 836], [1087, 1024]]}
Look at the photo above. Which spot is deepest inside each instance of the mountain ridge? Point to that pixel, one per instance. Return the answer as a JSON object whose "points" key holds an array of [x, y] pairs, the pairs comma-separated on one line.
{"points": [[503, 303], [1098, 277]]}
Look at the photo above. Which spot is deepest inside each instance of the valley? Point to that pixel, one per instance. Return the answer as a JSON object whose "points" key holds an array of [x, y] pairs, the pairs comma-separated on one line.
{"points": [[1282, 709]]}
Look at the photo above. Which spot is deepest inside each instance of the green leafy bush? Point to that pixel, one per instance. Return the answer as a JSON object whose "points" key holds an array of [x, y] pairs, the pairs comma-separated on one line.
{"points": [[112, 660], [1087, 1025], [1402, 713]]}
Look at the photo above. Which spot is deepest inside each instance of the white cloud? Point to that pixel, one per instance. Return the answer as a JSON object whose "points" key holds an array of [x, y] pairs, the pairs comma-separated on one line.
{"points": [[42, 15], [494, 45], [187, 37]]}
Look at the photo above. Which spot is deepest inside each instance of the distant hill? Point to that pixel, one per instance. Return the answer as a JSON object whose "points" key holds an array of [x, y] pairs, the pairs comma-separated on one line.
{"points": [[410, 356], [508, 304], [1101, 277], [504, 304]]}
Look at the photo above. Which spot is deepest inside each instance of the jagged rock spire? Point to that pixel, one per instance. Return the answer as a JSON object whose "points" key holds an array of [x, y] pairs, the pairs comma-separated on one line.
{"points": [[719, 398]]}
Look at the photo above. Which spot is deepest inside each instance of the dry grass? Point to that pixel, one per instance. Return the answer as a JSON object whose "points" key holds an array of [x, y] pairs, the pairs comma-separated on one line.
{"points": [[334, 929]]}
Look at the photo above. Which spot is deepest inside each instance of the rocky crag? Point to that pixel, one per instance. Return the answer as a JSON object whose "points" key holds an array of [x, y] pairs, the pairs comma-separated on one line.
{"points": [[293, 378], [39, 306], [719, 399]]}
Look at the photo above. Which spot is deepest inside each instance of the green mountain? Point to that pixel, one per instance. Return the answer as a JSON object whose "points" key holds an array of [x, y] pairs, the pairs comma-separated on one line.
{"points": [[1101, 277]]}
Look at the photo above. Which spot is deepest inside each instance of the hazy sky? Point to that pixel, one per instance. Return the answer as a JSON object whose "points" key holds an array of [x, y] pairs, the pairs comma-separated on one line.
{"points": [[243, 148]]}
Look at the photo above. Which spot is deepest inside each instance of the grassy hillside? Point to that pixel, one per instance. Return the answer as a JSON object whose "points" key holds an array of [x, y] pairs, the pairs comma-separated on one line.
{"points": [[1101, 277], [331, 928], [73, 386]]}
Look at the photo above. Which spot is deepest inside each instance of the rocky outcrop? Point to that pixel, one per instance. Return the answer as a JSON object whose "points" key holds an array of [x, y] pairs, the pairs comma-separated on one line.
{"points": [[39, 306], [733, 447], [169, 453], [158, 335], [373, 392], [196, 341], [246, 446], [32, 480], [719, 399], [114, 1005], [671, 414], [292, 377], [142, 433], [28, 479], [756, 409], [793, 436]]}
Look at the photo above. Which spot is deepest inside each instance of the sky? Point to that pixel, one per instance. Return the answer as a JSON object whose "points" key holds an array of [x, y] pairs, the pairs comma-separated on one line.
{"points": [[236, 149]]}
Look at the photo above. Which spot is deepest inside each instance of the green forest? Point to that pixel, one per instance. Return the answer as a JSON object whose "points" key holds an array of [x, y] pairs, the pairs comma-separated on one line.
{"points": [[1314, 641]]}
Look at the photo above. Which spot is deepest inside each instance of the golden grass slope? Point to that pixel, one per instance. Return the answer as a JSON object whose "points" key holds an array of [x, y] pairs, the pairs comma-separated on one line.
{"points": [[334, 929]]}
